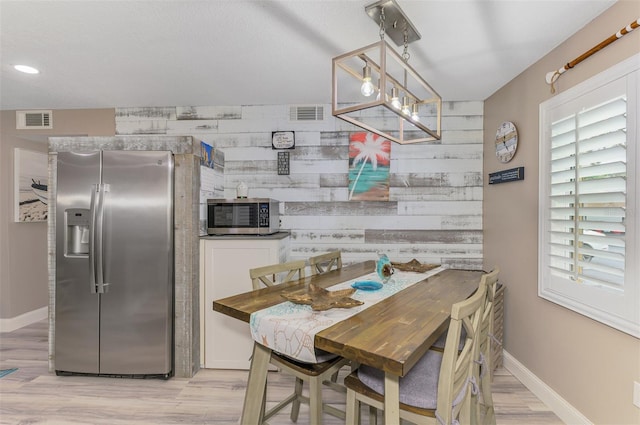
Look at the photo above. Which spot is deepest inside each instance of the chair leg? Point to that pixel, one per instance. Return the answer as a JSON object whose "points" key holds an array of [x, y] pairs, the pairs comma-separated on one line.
{"points": [[487, 399], [263, 409], [315, 400], [373, 415], [352, 409], [295, 406]]}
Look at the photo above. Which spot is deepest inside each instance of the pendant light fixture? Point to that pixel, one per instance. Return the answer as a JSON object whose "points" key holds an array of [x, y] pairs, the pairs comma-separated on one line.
{"points": [[405, 109]]}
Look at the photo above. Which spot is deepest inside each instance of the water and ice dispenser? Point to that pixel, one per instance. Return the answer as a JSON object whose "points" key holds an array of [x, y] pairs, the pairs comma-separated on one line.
{"points": [[78, 228]]}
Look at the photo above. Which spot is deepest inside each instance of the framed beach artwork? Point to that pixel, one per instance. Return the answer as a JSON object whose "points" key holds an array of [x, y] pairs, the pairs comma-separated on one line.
{"points": [[30, 185], [369, 162]]}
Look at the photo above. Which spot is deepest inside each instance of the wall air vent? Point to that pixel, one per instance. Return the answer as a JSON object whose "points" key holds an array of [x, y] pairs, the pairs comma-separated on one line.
{"points": [[307, 113], [34, 120]]}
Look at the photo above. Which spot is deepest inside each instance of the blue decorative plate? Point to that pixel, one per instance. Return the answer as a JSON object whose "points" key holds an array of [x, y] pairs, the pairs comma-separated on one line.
{"points": [[367, 285]]}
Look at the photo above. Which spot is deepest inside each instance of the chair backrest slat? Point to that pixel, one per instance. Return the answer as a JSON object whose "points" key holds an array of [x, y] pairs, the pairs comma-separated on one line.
{"points": [[275, 274], [325, 262]]}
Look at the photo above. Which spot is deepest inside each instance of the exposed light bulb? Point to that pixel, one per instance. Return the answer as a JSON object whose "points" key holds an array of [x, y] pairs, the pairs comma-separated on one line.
{"points": [[405, 106], [367, 88], [395, 102], [414, 112], [26, 69]]}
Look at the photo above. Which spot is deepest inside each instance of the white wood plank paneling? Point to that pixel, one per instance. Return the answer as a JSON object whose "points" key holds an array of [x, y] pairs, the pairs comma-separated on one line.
{"points": [[428, 180], [435, 208], [453, 137], [331, 237], [293, 194], [141, 126], [364, 222], [192, 127], [418, 151], [191, 113], [145, 113], [440, 208], [417, 165], [436, 194]]}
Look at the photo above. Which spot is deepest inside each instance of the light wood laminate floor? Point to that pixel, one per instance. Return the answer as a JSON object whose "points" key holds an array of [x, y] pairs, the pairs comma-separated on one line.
{"points": [[32, 395]]}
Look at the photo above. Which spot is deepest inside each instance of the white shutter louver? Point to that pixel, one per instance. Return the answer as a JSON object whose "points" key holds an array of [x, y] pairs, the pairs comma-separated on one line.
{"points": [[588, 195]]}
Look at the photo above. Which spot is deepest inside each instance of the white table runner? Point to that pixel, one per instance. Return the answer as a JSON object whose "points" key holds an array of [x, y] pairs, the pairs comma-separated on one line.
{"points": [[290, 328]]}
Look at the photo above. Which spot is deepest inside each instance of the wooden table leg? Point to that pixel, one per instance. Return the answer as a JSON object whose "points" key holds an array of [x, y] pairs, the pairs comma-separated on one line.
{"points": [[391, 398], [256, 385]]}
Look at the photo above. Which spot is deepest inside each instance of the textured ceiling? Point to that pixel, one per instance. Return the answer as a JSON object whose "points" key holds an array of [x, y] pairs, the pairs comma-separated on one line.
{"points": [[95, 54]]}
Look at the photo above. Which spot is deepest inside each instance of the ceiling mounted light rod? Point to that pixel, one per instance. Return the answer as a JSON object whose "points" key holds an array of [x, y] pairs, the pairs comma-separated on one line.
{"points": [[405, 109], [388, 14]]}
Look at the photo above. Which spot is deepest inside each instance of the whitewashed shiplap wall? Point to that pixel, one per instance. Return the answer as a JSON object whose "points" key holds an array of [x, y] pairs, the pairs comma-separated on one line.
{"points": [[434, 213]]}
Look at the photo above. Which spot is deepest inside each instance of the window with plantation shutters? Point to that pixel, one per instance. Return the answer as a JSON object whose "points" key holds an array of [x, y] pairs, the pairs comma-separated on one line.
{"points": [[588, 223], [588, 195]]}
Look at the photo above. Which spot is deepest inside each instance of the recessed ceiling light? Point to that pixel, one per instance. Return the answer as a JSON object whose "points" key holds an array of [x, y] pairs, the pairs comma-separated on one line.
{"points": [[26, 69]]}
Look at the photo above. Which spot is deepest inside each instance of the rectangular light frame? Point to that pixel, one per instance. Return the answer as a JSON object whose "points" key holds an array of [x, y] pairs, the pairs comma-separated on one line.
{"points": [[378, 115]]}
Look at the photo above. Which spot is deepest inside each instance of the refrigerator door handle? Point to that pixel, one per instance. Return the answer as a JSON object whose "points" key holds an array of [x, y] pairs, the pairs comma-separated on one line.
{"points": [[95, 193], [101, 285]]}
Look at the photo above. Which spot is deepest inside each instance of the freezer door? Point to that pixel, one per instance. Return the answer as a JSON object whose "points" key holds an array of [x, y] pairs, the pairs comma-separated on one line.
{"points": [[136, 326], [76, 301]]}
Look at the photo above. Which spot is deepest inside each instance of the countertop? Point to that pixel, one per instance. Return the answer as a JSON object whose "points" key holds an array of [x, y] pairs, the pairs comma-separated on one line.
{"points": [[275, 236]]}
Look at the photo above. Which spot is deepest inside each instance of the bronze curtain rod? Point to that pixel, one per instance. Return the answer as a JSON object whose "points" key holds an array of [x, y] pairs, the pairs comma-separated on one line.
{"points": [[553, 76]]}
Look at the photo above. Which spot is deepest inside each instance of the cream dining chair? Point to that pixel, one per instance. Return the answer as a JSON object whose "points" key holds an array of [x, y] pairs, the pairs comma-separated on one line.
{"points": [[485, 359], [485, 362], [312, 373], [325, 262], [439, 389], [321, 264]]}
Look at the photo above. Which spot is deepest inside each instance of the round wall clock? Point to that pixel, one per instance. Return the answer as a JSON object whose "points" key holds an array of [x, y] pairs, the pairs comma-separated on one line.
{"points": [[506, 141]]}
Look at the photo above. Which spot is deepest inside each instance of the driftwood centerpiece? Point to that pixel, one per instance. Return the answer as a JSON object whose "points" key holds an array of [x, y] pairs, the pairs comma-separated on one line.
{"points": [[320, 299], [414, 266]]}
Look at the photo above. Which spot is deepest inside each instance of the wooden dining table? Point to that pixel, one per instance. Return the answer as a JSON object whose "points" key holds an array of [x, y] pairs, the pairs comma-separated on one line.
{"points": [[391, 335]]}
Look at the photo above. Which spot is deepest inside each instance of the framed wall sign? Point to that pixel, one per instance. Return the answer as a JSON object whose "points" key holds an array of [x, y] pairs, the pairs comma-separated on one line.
{"points": [[512, 175], [283, 140]]}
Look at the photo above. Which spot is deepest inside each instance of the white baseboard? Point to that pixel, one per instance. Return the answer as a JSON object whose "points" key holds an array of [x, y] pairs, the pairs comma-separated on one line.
{"points": [[10, 325], [565, 411]]}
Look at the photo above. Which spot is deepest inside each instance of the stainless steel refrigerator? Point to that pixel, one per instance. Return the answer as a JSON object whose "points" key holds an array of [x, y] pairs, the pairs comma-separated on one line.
{"points": [[114, 263]]}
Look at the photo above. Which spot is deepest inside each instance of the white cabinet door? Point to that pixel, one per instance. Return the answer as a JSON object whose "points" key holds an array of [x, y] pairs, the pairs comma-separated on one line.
{"points": [[227, 341]]}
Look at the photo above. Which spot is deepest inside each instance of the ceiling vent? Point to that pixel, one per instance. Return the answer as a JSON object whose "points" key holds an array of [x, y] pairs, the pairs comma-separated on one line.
{"points": [[307, 113], [35, 120]]}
